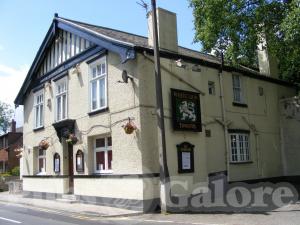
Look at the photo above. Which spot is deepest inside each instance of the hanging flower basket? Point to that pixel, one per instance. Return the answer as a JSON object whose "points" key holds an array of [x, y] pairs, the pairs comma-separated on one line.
{"points": [[72, 139], [129, 127], [19, 152], [19, 155], [44, 145]]}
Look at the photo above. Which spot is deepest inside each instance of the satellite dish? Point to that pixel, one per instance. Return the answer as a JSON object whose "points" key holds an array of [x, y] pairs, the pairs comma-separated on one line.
{"points": [[125, 76]]}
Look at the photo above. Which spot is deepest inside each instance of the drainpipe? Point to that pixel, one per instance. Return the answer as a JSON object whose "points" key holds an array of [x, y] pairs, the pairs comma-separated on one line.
{"points": [[258, 156], [282, 139], [225, 125]]}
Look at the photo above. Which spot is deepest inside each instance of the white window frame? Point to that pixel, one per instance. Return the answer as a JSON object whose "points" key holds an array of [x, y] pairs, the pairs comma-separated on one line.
{"points": [[240, 147], [237, 88], [38, 106], [104, 149], [97, 78], [43, 157], [60, 96]]}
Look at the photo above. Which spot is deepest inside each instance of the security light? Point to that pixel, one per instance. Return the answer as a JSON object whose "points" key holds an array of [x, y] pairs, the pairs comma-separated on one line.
{"points": [[76, 69], [180, 63]]}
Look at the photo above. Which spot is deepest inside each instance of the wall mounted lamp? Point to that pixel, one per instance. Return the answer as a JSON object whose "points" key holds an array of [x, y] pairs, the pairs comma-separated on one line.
{"points": [[180, 63]]}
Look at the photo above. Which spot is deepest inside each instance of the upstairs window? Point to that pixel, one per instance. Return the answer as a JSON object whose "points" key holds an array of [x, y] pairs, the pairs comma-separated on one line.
{"points": [[237, 89], [211, 88], [98, 85], [239, 143], [61, 90], [39, 109], [103, 155]]}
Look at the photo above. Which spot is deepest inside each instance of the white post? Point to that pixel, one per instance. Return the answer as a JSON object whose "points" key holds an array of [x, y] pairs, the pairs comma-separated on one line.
{"points": [[21, 168]]}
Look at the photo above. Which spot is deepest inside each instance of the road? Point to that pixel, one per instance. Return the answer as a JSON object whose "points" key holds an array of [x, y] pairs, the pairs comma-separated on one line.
{"points": [[13, 214]]}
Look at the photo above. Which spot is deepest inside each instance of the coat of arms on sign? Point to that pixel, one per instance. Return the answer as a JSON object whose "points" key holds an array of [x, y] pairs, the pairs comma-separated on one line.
{"points": [[186, 110]]}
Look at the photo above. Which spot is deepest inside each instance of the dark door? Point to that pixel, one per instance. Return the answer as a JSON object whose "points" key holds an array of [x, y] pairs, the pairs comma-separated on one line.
{"points": [[71, 169]]}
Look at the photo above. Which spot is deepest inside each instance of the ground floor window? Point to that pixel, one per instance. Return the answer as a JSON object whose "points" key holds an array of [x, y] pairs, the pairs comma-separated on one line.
{"points": [[239, 143], [56, 163], [103, 155], [42, 161], [3, 166]]}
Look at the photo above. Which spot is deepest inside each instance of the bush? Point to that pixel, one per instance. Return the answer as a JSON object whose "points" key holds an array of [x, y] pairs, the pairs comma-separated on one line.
{"points": [[15, 171], [7, 174]]}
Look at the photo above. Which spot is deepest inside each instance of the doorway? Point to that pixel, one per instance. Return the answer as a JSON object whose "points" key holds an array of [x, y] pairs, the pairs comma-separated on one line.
{"points": [[71, 169]]}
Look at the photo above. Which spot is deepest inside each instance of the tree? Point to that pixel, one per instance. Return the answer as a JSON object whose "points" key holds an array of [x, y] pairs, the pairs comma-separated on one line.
{"points": [[236, 27], [6, 113]]}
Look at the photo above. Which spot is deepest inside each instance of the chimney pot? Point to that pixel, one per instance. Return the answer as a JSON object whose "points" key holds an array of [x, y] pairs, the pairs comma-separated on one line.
{"points": [[268, 64], [13, 126], [167, 30]]}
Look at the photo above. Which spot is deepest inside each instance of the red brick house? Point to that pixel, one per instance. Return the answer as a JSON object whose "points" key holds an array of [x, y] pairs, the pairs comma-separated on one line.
{"points": [[8, 143]]}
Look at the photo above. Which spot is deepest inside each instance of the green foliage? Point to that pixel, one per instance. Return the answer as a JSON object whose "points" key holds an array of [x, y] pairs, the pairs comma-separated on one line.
{"points": [[5, 116], [15, 171], [7, 174], [236, 27]]}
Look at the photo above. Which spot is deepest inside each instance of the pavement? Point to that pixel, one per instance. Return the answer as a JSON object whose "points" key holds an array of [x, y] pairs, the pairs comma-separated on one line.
{"points": [[79, 208], [33, 211]]}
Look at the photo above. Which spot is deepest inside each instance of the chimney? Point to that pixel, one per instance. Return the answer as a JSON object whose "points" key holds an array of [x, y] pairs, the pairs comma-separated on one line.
{"points": [[167, 30], [13, 126], [268, 64]]}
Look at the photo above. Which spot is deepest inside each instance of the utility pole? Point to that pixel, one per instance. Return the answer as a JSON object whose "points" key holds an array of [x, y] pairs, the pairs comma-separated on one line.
{"points": [[164, 172]]}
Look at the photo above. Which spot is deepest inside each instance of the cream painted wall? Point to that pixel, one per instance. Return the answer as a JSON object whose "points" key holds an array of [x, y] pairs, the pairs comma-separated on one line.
{"points": [[138, 153], [290, 122], [261, 114], [50, 185], [123, 103], [128, 188]]}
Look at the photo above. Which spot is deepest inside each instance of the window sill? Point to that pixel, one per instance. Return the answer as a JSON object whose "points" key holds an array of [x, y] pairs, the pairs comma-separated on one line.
{"points": [[41, 174], [244, 162], [98, 111], [39, 128], [238, 104], [107, 172]]}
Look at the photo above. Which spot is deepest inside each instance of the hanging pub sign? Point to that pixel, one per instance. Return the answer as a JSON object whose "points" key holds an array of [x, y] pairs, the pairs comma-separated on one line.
{"points": [[186, 110], [185, 154]]}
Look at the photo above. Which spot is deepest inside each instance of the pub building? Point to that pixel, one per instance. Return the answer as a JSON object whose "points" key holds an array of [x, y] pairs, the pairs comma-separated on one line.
{"points": [[90, 125]]}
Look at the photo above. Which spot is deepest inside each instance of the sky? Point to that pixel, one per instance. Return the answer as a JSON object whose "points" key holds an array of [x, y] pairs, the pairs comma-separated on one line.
{"points": [[24, 25]]}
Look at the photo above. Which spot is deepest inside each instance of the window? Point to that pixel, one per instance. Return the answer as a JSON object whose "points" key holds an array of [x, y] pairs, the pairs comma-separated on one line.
{"points": [[42, 161], [98, 85], [239, 147], [38, 109], [56, 163], [103, 155], [61, 90], [79, 161], [237, 89], [211, 88]]}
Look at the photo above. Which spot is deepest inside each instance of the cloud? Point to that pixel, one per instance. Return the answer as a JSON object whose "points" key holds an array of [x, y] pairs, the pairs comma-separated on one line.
{"points": [[11, 80]]}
